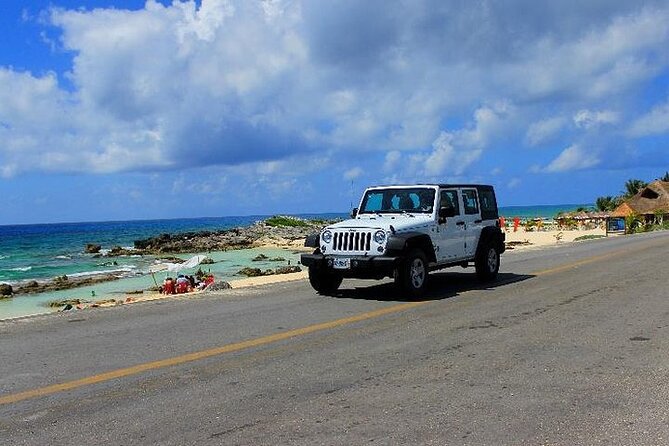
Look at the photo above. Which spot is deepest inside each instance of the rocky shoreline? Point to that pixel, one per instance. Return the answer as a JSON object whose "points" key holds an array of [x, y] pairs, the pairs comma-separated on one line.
{"points": [[280, 232], [258, 235]]}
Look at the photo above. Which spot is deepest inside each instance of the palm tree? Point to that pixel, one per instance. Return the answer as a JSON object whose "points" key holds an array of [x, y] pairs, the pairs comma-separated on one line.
{"points": [[607, 203], [632, 187]]}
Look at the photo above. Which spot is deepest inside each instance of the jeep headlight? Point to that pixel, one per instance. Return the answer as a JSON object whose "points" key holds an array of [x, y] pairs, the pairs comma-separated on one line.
{"points": [[326, 236], [380, 237]]}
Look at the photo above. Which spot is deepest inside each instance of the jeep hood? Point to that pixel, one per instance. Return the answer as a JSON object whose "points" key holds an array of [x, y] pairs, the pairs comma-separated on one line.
{"points": [[399, 222]]}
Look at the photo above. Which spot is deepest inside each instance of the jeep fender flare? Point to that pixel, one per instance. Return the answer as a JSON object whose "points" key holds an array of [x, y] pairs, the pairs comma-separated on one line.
{"points": [[312, 241], [401, 244], [491, 234]]}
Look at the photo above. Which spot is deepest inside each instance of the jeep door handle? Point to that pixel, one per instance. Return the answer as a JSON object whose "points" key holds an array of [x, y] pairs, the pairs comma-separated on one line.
{"points": [[460, 223], [478, 221]]}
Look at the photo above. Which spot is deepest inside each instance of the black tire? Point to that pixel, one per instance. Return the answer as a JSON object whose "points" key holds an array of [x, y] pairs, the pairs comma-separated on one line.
{"points": [[324, 281], [412, 274], [487, 262]]}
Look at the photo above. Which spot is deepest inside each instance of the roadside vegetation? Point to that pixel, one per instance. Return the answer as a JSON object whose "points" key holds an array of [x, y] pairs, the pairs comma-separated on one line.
{"points": [[634, 223]]}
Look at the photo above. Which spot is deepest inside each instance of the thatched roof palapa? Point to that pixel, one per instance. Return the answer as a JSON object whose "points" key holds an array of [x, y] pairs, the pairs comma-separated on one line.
{"points": [[648, 201]]}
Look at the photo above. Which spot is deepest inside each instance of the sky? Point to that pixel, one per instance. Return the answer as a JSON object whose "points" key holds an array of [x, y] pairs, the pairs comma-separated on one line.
{"points": [[132, 109]]}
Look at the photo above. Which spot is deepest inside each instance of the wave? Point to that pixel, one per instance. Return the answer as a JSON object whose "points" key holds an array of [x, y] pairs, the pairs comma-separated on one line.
{"points": [[63, 257], [3, 257], [21, 268], [128, 270]]}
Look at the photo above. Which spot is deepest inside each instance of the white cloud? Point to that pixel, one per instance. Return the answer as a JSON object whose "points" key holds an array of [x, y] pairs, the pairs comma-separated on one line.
{"points": [[490, 121], [588, 119], [542, 131], [236, 82], [655, 122], [514, 183], [353, 173], [446, 159], [573, 157], [391, 161]]}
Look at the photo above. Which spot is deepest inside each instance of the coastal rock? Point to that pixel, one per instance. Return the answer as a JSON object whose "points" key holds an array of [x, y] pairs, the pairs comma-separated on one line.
{"points": [[218, 286], [287, 270], [251, 272], [31, 285], [63, 303], [120, 251], [207, 261], [92, 248], [256, 235], [6, 290], [260, 258], [61, 283], [170, 259]]}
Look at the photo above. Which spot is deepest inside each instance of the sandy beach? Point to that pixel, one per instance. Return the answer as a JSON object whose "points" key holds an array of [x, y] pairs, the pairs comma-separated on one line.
{"points": [[522, 239]]}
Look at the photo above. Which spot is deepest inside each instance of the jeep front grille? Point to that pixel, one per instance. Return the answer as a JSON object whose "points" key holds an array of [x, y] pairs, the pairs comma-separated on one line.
{"points": [[352, 241]]}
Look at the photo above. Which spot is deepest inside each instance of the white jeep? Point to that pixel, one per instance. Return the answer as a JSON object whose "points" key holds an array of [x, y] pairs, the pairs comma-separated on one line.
{"points": [[405, 232]]}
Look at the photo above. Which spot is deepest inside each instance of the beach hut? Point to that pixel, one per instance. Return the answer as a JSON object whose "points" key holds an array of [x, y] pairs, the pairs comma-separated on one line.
{"points": [[651, 204]]}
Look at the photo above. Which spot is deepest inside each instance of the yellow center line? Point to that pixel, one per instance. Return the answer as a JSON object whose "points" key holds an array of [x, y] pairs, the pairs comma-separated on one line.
{"points": [[196, 356], [572, 265]]}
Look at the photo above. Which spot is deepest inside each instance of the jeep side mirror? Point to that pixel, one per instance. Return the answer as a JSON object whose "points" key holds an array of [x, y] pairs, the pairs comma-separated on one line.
{"points": [[354, 212], [446, 212]]}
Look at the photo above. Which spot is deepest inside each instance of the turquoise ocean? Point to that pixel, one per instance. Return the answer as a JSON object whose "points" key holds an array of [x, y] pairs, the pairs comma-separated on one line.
{"points": [[44, 251]]}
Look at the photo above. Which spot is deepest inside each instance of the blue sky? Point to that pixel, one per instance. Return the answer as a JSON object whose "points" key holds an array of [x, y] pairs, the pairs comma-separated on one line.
{"points": [[113, 110]]}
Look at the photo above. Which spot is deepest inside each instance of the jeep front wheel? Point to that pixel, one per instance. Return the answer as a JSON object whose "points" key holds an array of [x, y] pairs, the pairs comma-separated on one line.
{"points": [[487, 262], [412, 274], [324, 281]]}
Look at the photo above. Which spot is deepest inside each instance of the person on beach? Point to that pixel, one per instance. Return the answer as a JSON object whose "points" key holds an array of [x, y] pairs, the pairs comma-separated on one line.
{"points": [[516, 223], [168, 286], [502, 223], [182, 284]]}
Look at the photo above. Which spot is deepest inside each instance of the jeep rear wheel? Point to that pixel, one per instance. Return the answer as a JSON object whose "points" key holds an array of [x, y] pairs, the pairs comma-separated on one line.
{"points": [[412, 274], [324, 281], [487, 262]]}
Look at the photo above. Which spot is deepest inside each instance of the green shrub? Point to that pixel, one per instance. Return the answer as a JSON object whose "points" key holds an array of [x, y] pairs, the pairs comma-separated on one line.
{"points": [[633, 224], [588, 237], [286, 221]]}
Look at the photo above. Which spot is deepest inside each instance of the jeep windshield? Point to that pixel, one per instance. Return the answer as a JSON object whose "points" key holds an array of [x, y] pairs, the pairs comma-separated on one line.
{"points": [[419, 200]]}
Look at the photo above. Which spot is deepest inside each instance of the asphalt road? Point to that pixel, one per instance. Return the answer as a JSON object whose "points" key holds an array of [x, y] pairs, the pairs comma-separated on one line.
{"points": [[570, 347]]}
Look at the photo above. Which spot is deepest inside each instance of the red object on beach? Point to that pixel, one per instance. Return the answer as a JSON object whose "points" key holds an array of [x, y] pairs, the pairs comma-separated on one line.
{"points": [[502, 223], [516, 222], [182, 287], [168, 287]]}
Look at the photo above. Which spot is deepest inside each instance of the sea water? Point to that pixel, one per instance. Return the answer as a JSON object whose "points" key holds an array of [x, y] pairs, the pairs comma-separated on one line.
{"points": [[44, 251]]}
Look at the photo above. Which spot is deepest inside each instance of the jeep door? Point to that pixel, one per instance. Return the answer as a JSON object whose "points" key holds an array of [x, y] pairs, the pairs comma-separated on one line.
{"points": [[472, 218], [450, 238]]}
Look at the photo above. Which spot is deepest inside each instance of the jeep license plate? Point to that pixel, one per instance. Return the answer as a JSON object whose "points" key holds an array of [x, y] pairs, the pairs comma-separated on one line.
{"points": [[342, 263]]}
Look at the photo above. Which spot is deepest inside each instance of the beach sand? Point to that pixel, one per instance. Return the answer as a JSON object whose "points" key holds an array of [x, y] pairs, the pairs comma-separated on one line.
{"points": [[544, 239]]}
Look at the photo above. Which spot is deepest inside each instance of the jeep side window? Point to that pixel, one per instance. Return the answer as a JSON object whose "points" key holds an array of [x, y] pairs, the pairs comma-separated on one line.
{"points": [[470, 201], [488, 203], [450, 198]]}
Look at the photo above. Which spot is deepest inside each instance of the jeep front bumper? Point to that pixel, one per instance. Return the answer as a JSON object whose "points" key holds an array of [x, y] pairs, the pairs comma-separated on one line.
{"points": [[359, 266]]}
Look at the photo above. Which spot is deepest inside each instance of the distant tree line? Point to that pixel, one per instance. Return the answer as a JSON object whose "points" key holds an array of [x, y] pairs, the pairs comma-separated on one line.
{"points": [[632, 187]]}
